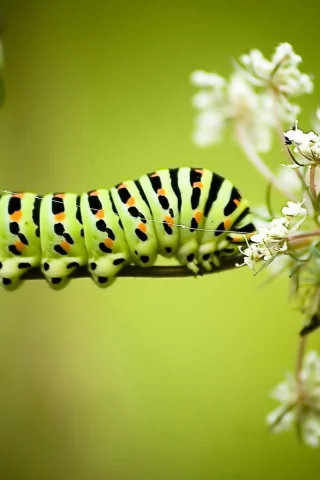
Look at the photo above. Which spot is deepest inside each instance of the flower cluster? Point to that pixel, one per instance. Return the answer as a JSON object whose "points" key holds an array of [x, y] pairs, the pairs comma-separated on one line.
{"points": [[300, 402], [307, 145], [249, 96], [272, 239]]}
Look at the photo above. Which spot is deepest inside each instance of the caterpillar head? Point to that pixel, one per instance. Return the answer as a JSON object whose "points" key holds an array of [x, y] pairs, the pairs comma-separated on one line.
{"points": [[12, 269]]}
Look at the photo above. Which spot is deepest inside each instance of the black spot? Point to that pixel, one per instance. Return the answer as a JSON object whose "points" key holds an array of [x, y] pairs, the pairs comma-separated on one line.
{"points": [[82, 232], [93, 265], [216, 183], [287, 141], [134, 212], [124, 194], [206, 256], [171, 212], [175, 185], [13, 249], [163, 202], [143, 219], [144, 259], [24, 265], [55, 281], [58, 229], [60, 250], [73, 265], [118, 261], [220, 229], [0, 265], [94, 203], [190, 257], [37, 232], [194, 224], [195, 176], [141, 235], [46, 266], [14, 205], [120, 223], [242, 215], [168, 249], [155, 181], [195, 197], [6, 281], [23, 239], [14, 228], [68, 238], [247, 228], [110, 233], [231, 206], [57, 205], [101, 225], [136, 252], [78, 214], [104, 248], [167, 228], [102, 279]]}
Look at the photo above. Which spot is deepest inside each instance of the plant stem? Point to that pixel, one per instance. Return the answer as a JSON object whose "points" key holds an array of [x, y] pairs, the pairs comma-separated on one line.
{"points": [[148, 272], [312, 181], [299, 360], [257, 161]]}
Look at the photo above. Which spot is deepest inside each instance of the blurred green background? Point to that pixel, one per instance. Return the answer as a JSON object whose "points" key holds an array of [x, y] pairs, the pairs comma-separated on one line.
{"points": [[150, 379]]}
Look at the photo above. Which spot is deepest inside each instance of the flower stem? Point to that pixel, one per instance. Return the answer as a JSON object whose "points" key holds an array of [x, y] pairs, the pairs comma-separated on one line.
{"points": [[312, 181], [299, 361], [257, 161]]}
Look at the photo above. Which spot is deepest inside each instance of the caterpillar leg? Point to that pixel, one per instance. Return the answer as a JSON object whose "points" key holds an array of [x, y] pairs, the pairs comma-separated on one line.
{"points": [[105, 240], [62, 238], [19, 237]]}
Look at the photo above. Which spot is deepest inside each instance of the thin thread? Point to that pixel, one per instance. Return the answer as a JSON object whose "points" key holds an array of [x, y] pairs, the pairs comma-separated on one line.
{"points": [[148, 219]]}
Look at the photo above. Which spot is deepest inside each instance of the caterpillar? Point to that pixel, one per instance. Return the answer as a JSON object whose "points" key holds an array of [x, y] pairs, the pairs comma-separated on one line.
{"points": [[184, 213]]}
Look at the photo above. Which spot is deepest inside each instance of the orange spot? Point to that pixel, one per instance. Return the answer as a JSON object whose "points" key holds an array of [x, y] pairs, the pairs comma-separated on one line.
{"points": [[227, 224], [18, 195], [161, 191], [20, 246], [93, 194], [169, 219], [60, 217], [197, 185], [65, 245], [198, 216], [237, 239], [108, 242], [122, 185], [199, 170], [16, 216], [131, 202], [154, 175], [142, 227], [60, 195], [99, 214], [236, 201]]}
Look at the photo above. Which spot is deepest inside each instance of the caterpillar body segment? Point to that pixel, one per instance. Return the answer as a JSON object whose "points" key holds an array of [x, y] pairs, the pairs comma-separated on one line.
{"points": [[185, 213]]}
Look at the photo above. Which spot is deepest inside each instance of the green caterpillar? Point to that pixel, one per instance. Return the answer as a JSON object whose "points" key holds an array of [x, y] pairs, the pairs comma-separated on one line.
{"points": [[185, 213]]}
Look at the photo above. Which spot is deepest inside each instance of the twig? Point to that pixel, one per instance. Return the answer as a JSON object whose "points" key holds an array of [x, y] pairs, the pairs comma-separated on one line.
{"points": [[147, 272]]}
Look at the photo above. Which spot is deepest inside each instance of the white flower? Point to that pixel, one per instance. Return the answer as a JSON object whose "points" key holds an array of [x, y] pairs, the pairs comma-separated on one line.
{"points": [[281, 72], [294, 398], [306, 144], [200, 78], [294, 209]]}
